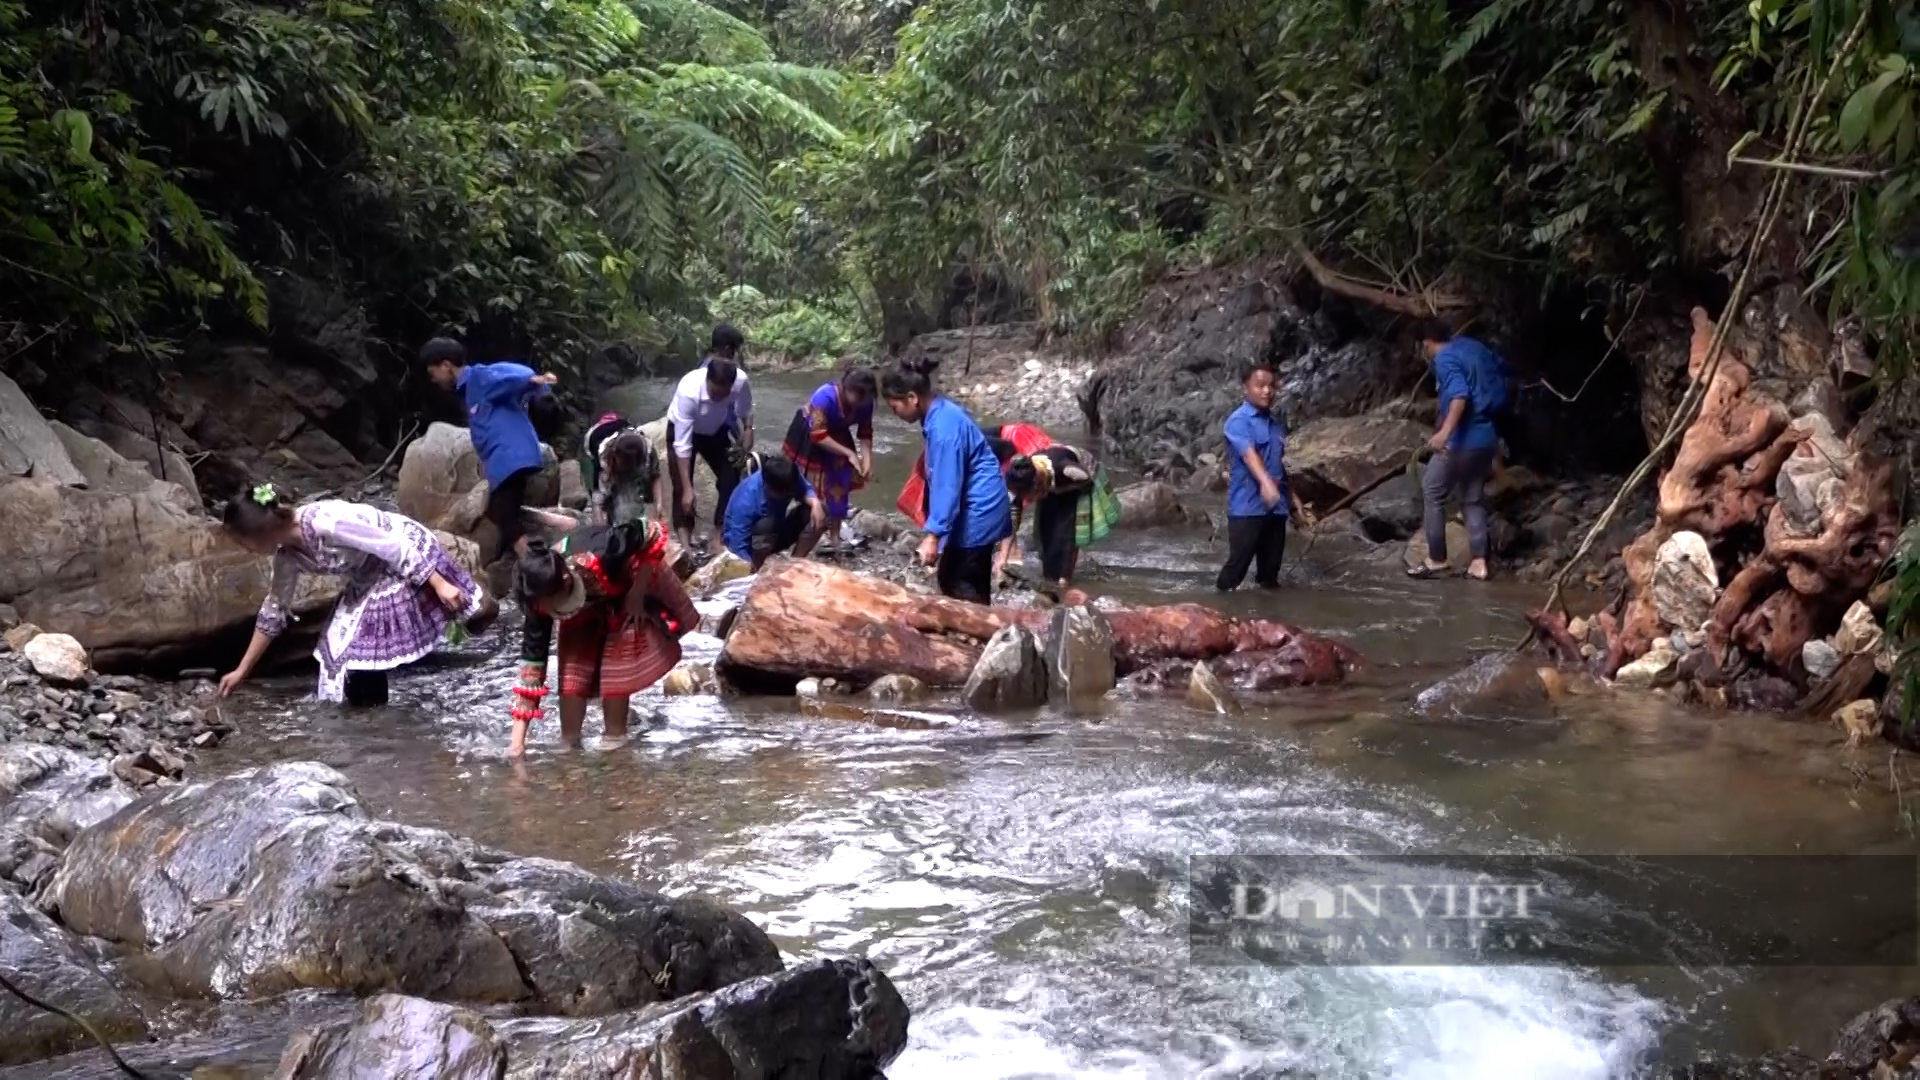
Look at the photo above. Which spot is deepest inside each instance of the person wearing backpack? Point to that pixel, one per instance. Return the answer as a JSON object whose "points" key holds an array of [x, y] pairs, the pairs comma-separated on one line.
{"points": [[1472, 381]]}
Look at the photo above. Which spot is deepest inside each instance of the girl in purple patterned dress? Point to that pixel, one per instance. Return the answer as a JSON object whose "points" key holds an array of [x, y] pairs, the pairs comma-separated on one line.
{"points": [[399, 588], [831, 440]]}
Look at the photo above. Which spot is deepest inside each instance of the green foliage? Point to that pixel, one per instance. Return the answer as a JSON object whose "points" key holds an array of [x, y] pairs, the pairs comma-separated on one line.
{"points": [[555, 164]]}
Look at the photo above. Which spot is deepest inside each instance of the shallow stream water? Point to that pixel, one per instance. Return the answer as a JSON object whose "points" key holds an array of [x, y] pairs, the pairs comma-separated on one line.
{"points": [[1020, 879]]}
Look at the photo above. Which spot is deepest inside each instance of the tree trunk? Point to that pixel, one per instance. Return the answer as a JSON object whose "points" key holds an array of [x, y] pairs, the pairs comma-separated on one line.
{"points": [[806, 619]]}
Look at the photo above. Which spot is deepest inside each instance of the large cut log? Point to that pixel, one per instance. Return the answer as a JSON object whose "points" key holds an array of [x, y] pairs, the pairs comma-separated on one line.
{"points": [[805, 619]]}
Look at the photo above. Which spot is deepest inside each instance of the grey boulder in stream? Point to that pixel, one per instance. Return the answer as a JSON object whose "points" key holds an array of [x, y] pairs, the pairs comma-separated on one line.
{"points": [[276, 879], [829, 1019]]}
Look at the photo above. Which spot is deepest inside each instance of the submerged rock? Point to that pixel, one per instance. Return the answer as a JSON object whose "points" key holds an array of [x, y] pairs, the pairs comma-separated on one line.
{"points": [[45, 961], [275, 879], [1010, 675], [897, 690], [1079, 656]]}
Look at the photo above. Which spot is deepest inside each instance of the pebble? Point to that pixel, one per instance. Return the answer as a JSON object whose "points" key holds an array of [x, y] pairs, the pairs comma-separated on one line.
{"points": [[118, 714]]}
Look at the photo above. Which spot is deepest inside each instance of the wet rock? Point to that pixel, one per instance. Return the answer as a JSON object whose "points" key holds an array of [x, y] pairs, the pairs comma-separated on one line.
{"points": [[18, 635], [1079, 656], [1811, 481], [824, 1018], [1391, 511], [1658, 668], [1878, 1042], [9, 618], [57, 658], [1150, 504], [1860, 720], [1502, 684], [721, 569], [28, 445], [688, 680], [807, 688], [398, 1037], [897, 690], [1207, 693], [1331, 458], [1010, 675], [1859, 633], [275, 879], [1685, 584], [879, 527], [44, 960], [1820, 659], [1459, 548], [719, 623]]}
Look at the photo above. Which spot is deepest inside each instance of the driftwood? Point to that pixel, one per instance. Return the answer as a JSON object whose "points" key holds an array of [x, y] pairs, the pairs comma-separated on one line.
{"points": [[1725, 484], [804, 618]]}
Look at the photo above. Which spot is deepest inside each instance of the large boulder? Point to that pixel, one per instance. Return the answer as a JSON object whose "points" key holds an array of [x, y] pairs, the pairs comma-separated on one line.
{"points": [[832, 1019], [28, 444], [1685, 583], [105, 468], [1392, 511], [45, 961], [1079, 656], [275, 879], [829, 1019], [442, 485], [1330, 459], [1010, 675]]}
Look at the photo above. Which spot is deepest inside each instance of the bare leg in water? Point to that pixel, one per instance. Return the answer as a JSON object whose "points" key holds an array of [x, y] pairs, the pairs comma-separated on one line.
{"points": [[615, 712], [573, 717]]}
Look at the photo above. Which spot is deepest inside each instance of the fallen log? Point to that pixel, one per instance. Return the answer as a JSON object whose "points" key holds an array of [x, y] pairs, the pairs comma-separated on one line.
{"points": [[804, 618]]}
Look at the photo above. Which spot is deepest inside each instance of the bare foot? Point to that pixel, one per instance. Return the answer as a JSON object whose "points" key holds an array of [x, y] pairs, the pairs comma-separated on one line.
{"points": [[1478, 570]]}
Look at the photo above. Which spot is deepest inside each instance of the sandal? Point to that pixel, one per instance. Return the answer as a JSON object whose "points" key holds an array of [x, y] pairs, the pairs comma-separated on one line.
{"points": [[1425, 572]]}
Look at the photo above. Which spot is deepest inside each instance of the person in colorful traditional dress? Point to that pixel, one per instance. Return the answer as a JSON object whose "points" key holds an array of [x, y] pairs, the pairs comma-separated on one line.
{"points": [[621, 615], [1073, 506], [831, 441], [400, 589], [621, 471]]}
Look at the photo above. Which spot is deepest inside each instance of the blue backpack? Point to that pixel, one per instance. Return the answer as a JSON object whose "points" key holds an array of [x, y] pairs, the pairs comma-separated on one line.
{"points": [[1491, 383]]}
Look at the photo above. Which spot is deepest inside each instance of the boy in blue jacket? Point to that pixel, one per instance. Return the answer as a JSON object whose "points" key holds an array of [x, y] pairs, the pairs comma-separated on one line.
{"points": [[967, 509], [496, 397], [1470, 377]]}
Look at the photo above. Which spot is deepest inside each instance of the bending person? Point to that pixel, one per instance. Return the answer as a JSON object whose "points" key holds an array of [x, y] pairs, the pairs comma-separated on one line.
{"points": [[967, 512], [831, 440], [399, 589], [621, 613], [774, 510], [1073, 506], [711, 402]]}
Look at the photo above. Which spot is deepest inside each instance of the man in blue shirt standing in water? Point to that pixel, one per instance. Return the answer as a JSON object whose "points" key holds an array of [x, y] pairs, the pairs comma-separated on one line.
{"points": [[496, 397], [1257, 494], [1471, 382]]}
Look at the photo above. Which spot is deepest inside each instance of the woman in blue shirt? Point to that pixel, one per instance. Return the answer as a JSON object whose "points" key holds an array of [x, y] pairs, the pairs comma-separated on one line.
{"points": [[1257, 493], [967, 509]]}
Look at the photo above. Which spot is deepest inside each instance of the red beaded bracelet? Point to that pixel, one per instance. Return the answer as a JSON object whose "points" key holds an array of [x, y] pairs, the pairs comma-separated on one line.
{"points": [[526, 714], [533, 692]]}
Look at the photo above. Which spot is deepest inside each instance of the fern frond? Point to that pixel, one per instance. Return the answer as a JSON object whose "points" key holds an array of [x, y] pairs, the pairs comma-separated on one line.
{"points": [[717, 97], [709, 33], [1479, 28]]}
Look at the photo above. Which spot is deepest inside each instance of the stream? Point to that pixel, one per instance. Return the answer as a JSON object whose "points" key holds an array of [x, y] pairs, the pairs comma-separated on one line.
{"points": [[1018, 879]]}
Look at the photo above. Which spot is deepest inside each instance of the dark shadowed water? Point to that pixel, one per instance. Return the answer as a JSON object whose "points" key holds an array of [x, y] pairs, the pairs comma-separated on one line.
{"points": [[1020, 880]]}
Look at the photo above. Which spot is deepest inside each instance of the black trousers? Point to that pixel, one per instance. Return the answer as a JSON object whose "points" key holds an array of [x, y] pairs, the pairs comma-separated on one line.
{"points": [[717, 451], [775, 533], [504, 506], [1260, 542], [366, 688], [966, 573], [1055, 520]]}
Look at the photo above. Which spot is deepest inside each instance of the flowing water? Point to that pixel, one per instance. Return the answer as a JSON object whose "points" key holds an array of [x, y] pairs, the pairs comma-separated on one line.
{"points": [[1019, 879]]}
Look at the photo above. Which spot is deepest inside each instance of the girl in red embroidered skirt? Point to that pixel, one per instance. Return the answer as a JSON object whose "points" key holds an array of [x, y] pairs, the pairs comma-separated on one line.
{"points": [[621, 613]]}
